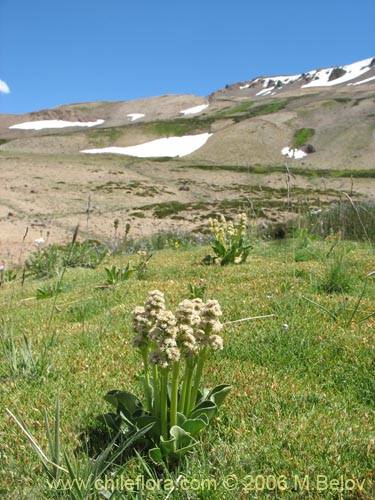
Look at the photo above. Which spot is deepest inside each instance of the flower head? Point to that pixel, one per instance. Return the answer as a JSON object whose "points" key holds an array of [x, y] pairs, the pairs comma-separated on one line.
{"points": [[188, 312], [141, 325], [211, 309], [186, 340], [154, 304], [195, 327], [215, 342]]}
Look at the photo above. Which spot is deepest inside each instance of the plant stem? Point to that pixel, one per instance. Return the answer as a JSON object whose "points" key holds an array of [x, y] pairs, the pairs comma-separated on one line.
{"points": [[146, 381], [164, 403], [156, 408], [182, 400], [197, 381], [174, 395], [58, 285], [357, 305], [189, 376]]}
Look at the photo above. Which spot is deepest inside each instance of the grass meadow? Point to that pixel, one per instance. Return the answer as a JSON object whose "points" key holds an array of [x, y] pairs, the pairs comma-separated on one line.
{"points": [[299, 421]]}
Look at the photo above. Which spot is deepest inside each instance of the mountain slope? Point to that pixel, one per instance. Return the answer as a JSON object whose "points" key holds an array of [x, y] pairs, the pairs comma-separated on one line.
{"points": [[46, 183]]}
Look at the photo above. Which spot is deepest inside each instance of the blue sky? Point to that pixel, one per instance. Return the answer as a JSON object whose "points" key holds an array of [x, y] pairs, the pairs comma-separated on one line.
{"points": [[54, 53]]}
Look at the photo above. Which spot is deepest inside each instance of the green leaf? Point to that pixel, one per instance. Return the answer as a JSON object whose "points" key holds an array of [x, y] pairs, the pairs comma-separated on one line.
{"points": [[128, 420], [208, 260], [180, 419], [218, 394], [207, 408], [184, 441], [180, 443], [194, 426], [218, 248], [156, 455], [123, 400], [145, 420], [111, 420]]}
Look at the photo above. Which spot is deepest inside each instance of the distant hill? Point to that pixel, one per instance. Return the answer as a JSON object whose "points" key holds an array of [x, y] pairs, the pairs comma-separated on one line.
{"points": [[321, 124]]}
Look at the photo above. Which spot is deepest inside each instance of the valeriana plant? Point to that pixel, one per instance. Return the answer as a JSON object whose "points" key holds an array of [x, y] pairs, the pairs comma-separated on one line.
{"points": [[174, 348], [229, 244]]}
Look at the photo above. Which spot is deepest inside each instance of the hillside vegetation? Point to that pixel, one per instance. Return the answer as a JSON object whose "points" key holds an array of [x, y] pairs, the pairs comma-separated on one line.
{"points": [[300, 414], [253, 130]]}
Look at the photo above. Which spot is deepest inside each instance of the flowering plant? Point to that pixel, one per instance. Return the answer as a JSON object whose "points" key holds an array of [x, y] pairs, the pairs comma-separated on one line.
{"points": [[116, 275], [174, 348], [6, 275], [229, 244]]}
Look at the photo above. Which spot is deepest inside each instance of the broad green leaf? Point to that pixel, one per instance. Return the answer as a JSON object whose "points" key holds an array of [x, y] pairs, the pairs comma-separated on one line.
{"points": [[208, 408], [194, 426], [182, 451], [144, 420], [219, 393], [124, 400], [127, 420], [110, 420], [156, 455], [181, 442], [182, 437], [180, 419]]}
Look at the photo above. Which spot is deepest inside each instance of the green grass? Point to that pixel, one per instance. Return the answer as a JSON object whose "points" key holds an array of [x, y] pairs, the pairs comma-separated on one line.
{"points": [[173, 208], [179, 127], [355, 221], [303, 396], [302, 136], [104, 136], [306, 172], [236, 109], [262, 109], [343, 100]]}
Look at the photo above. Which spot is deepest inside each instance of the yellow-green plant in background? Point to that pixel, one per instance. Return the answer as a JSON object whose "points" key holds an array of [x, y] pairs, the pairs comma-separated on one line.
{"points": [[230, 243]]}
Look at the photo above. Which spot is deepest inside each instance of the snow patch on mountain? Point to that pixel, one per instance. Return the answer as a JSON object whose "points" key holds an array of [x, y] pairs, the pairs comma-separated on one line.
{"points": [[169, 147], [194, 110], [297, 154], [266, 91], [45, 124], [323, 78], [135, 116], [280, 80], [326, 77], [363, 81]]}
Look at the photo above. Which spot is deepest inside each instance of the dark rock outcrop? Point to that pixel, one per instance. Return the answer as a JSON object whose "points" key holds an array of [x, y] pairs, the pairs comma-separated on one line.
{"points": [[336, 73], [308, 148]]}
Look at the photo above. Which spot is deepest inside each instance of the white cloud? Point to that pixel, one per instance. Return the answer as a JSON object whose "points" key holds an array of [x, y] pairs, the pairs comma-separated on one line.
{"points": [[4, 87]]}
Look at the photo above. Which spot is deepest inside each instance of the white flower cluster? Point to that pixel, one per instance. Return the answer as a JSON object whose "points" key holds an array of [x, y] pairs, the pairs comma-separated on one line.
{"points": [[144, 317], [169, 337], [163, 336], [224, 230]]}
